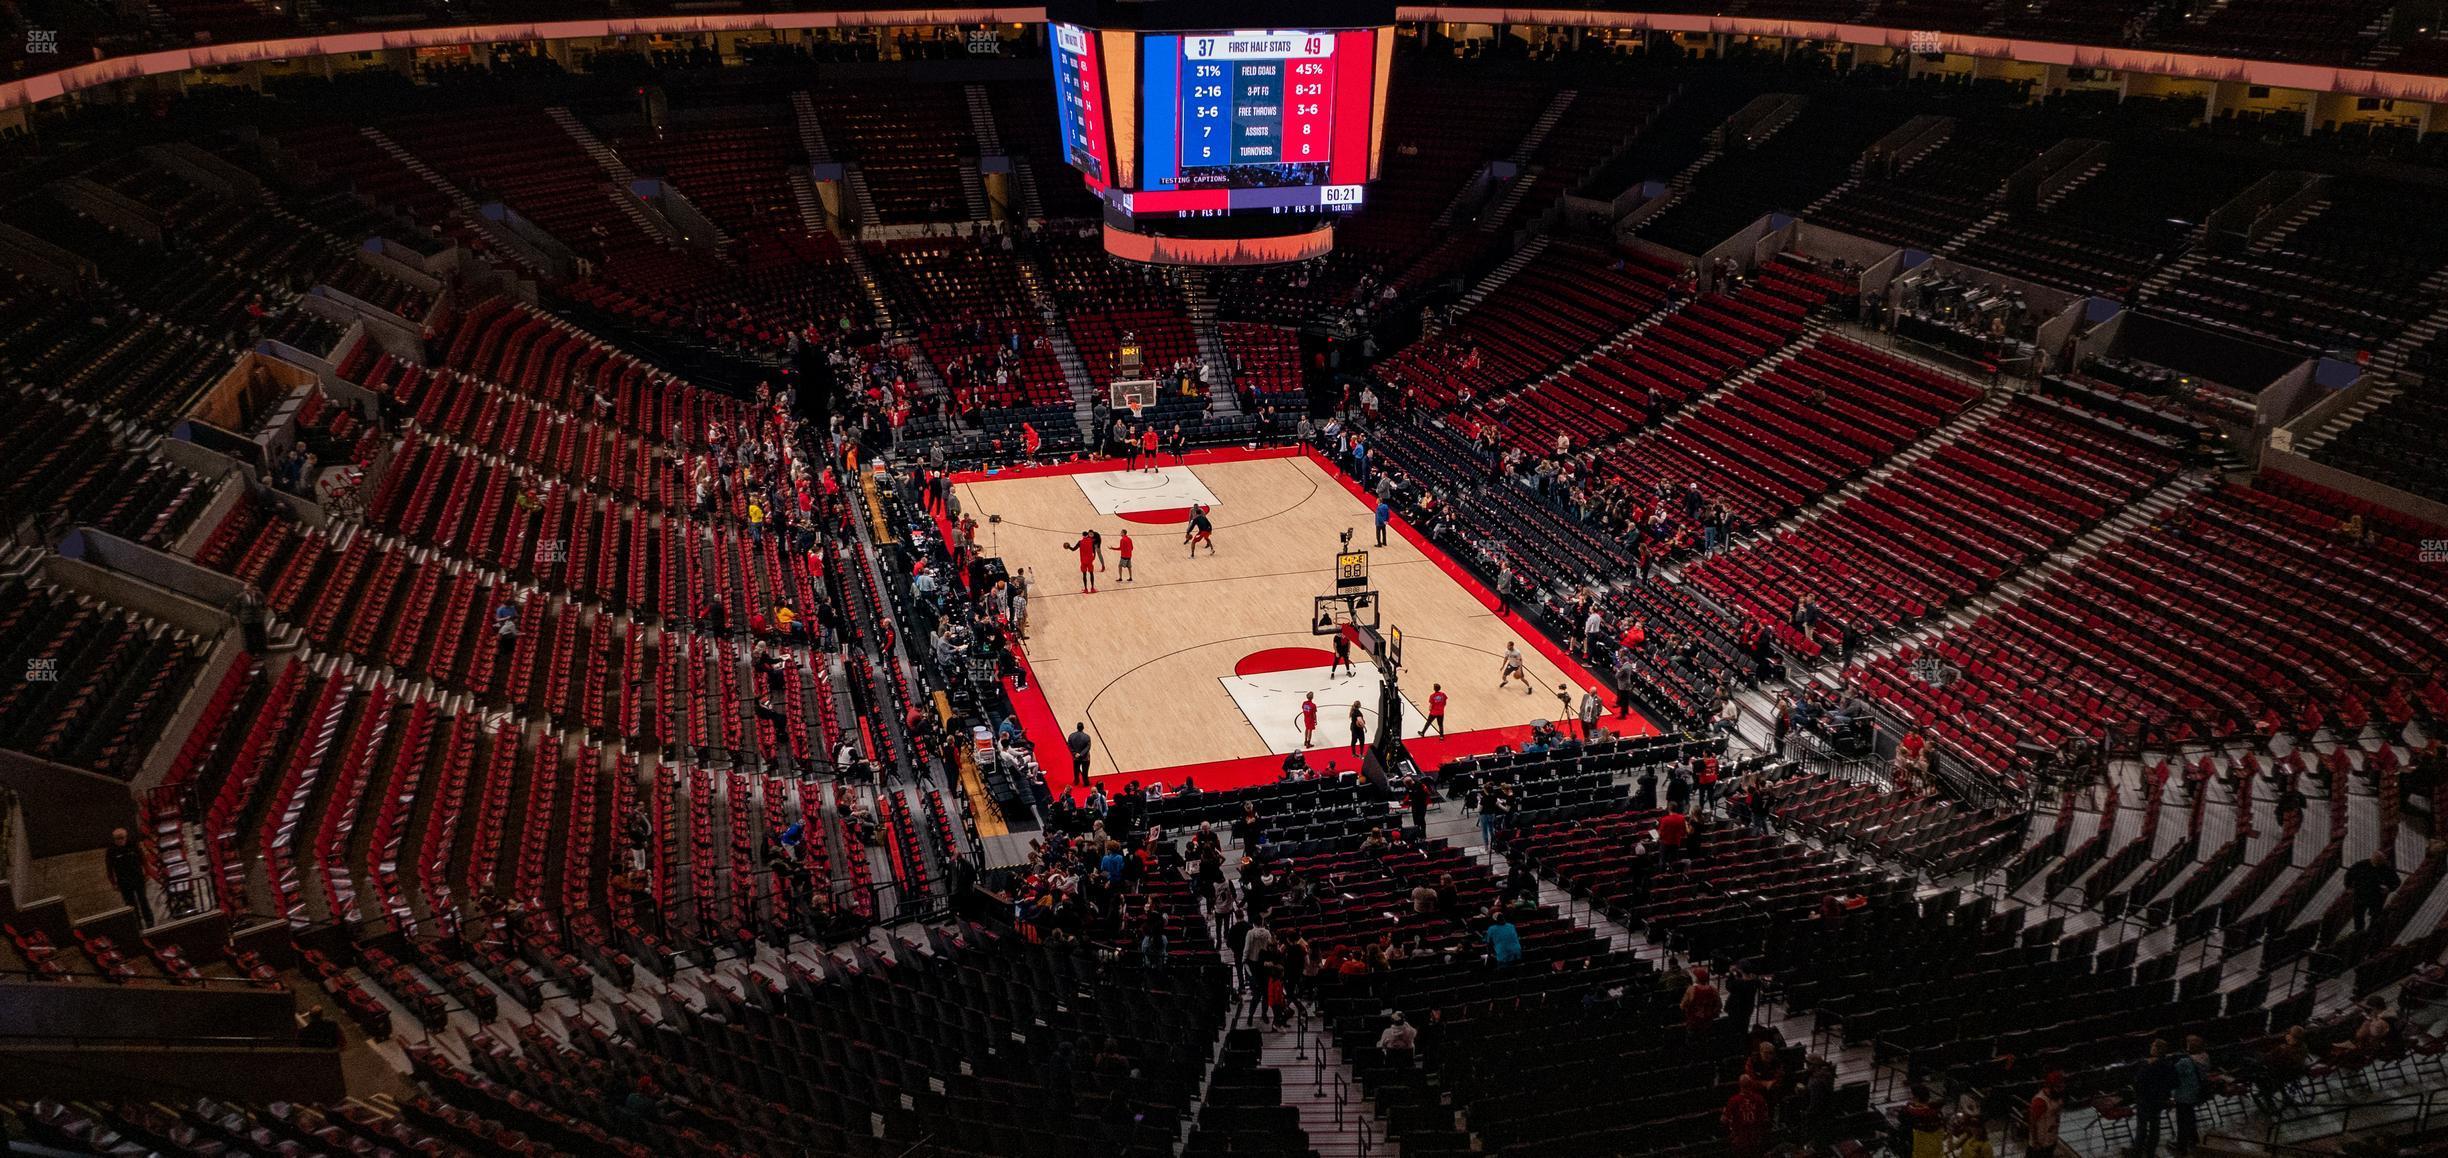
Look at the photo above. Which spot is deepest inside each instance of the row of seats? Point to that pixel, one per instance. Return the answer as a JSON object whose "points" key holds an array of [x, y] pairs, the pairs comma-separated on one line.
{"points": [[2239, 605], [2348, 276], [2403, 443], [91, 685], [1940, 193], [908, 141], [1783, 173], [1981, 508], [731, 161], [522, 157], [1682, 356], [1565, 300], [2109, 231], [973, 1043], [1829, 412], [68, 467]]}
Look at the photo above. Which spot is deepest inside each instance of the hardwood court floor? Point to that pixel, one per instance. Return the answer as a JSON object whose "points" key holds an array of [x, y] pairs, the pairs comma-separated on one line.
{"points": [[1144, 663]]}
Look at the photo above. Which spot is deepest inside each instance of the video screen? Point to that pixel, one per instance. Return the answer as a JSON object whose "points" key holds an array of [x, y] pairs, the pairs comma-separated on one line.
{"points": [[1079, 100]]}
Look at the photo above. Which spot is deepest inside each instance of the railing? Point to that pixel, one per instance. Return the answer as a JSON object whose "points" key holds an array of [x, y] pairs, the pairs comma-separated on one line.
{"points": [[1326, 1078], [2409, 1112], [67, 976]]}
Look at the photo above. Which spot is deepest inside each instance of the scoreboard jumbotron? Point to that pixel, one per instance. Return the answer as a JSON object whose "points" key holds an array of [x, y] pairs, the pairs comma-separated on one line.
{"points": [[1222, 146]]}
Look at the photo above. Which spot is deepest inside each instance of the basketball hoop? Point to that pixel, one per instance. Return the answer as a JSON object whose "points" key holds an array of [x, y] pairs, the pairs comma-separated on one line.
{"points": [[1132, 394]]}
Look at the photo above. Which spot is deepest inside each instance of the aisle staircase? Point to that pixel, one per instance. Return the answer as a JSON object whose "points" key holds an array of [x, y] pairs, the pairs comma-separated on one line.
{"points": [[811, 130], [1496, 278], [617, 171], [504, 242], [1545, 125], [809, 203], [2133, 520], [1058, 337], [1024, 175], [2345, 420], [857, 204], [1320, 1086], [1198, 299]]}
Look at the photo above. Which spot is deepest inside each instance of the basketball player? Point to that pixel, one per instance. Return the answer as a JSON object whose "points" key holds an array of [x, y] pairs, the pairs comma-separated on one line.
{"points": [[1147, 446], [1514, 669], [1201, 531], [1359, 726], [1342, 655], [1436, 710], [1098, 538], [1087, 549], [1130, 447], [1308, 718], [1122, 553]]}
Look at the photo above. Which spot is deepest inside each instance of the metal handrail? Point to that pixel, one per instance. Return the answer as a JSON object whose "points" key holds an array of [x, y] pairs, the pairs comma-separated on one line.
{"points": [[2423, 1103]]}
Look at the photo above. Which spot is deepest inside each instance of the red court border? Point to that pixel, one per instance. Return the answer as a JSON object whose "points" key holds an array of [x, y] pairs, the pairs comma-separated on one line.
{"points": [[1046, 732]]}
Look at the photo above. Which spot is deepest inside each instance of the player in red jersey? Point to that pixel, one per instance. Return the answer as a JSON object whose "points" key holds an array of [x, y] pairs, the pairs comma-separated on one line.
{"points": [[1087, 548], [1122, 551], [1436, 710], [1308, 718], [1147, 447]]}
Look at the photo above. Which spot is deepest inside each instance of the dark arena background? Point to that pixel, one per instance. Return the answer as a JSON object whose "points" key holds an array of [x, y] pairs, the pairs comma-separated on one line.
{"points": [[637, 579]]}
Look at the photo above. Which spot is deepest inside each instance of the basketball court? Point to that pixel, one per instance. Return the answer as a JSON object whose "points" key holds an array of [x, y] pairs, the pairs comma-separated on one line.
{"points": [[1199, 664]]}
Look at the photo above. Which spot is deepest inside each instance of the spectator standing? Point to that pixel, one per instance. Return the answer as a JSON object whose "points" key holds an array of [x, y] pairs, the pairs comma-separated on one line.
{"points": [[2192, 1084], [1079, 744], [1503, 941], [1701, 1003], [2040, 1119], [123, 862], [2154, 1084], [2371, 882], [1746, 1121]]}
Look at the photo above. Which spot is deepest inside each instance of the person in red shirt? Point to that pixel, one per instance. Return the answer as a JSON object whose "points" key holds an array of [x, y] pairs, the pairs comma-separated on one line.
{"points": [[1087, 556], [1634, 635], [1672, 829], [1122, 551], [1147, 447], [1701, 1002], [1308, 718], [1436, 710], [1746, 1121]]}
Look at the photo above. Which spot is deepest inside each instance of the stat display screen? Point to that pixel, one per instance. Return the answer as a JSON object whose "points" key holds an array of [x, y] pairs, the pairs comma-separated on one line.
{"points": [[1254, 121], [1079, 100], [1256, 110], [1222, 123]]}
